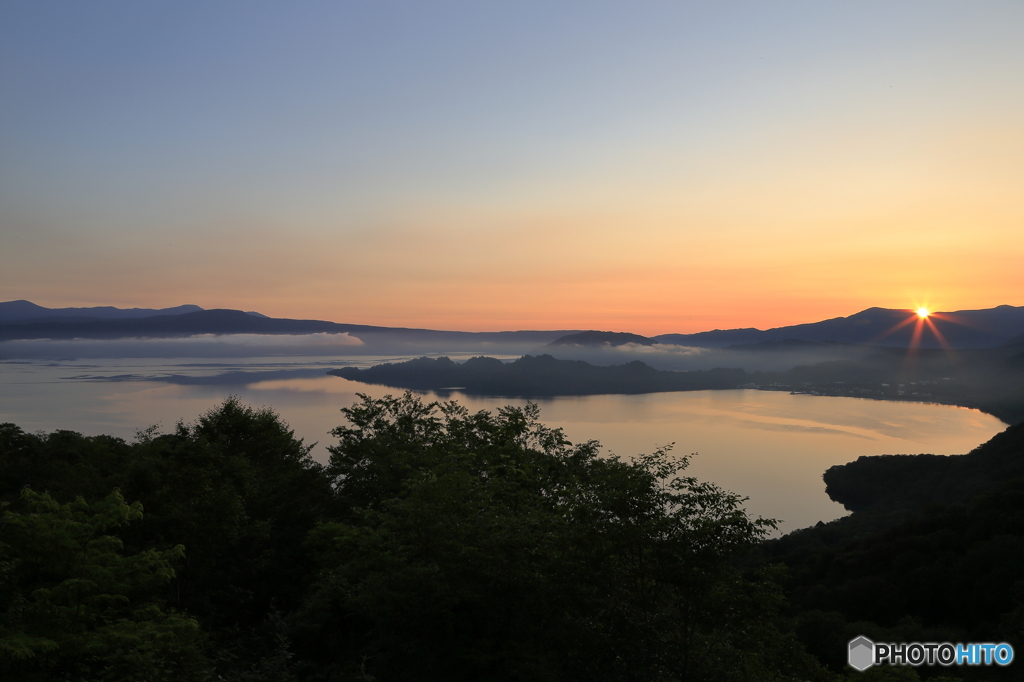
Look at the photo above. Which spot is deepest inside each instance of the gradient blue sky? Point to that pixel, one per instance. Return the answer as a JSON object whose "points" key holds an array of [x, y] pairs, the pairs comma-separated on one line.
{"points": [[646, 167]]}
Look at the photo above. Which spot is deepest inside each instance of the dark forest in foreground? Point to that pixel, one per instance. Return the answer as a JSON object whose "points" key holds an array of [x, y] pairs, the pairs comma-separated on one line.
{"points": [[440, 544]]}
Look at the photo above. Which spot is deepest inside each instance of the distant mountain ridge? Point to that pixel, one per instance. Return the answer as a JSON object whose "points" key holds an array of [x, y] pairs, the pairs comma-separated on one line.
{"points": [[880, 326], [593, 338], [21, 311], [987, 328], [226, 322]]}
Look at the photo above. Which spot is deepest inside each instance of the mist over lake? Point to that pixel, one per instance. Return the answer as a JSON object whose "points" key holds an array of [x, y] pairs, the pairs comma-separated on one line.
{"points": [[769, 446]]}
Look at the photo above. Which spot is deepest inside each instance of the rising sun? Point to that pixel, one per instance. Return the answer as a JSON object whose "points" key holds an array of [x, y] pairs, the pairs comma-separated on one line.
{"points": [[923, 313]]}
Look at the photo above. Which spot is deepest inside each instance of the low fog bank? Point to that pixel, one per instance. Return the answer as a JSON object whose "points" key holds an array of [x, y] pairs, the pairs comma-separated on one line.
{"points": [[268, 345], [753, 358], [200, 346], [495, 344], [230, 378], [769, 357]]}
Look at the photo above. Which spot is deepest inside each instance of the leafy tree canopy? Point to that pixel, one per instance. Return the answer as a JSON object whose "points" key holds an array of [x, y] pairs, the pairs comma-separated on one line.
{"points": [[75, 605], [487, 546], [435, 544]]}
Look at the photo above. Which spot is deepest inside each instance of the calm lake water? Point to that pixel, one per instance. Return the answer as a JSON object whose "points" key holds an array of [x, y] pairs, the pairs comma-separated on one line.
{"points": [[771, 447]]}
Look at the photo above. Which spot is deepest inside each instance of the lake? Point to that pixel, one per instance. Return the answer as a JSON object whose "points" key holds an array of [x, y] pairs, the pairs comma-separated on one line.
{"points": [[771, 447]]}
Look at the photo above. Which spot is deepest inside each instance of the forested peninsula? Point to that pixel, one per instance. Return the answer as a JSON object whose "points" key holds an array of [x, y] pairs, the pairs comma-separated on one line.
{"points": [[439, 544], [991, 380]]}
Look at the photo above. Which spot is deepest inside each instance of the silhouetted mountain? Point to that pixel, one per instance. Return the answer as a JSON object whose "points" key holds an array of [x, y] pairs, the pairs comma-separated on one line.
{"points": [[15, 311], [185, 324], [238, 322], [877, 326], [880, 326], [596, 338], [716, 338]]}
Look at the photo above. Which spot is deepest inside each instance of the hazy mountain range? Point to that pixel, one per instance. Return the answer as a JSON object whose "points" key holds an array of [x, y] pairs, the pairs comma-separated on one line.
{"points": [[23, 320], [112, 323], [875, 326], [21, 311]]}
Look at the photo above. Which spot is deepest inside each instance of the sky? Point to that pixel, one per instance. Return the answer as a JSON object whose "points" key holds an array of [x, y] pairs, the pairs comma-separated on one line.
{"points": [[647, 167]]}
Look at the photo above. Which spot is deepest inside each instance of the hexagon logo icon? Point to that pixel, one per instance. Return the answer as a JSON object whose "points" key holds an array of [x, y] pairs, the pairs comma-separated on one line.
{"points": [[861, 653]]}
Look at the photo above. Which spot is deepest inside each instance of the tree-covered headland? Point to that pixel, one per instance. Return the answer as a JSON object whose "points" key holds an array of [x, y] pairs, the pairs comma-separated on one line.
{"points": [[989, 379], [439, 544]]}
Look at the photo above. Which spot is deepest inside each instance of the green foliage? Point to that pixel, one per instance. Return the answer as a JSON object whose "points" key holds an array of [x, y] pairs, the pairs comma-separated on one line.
{"points": [[75, 605], [235, 489], [64, 463], [240, 492], [437, 544], [950, 570], [486, 546]]}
